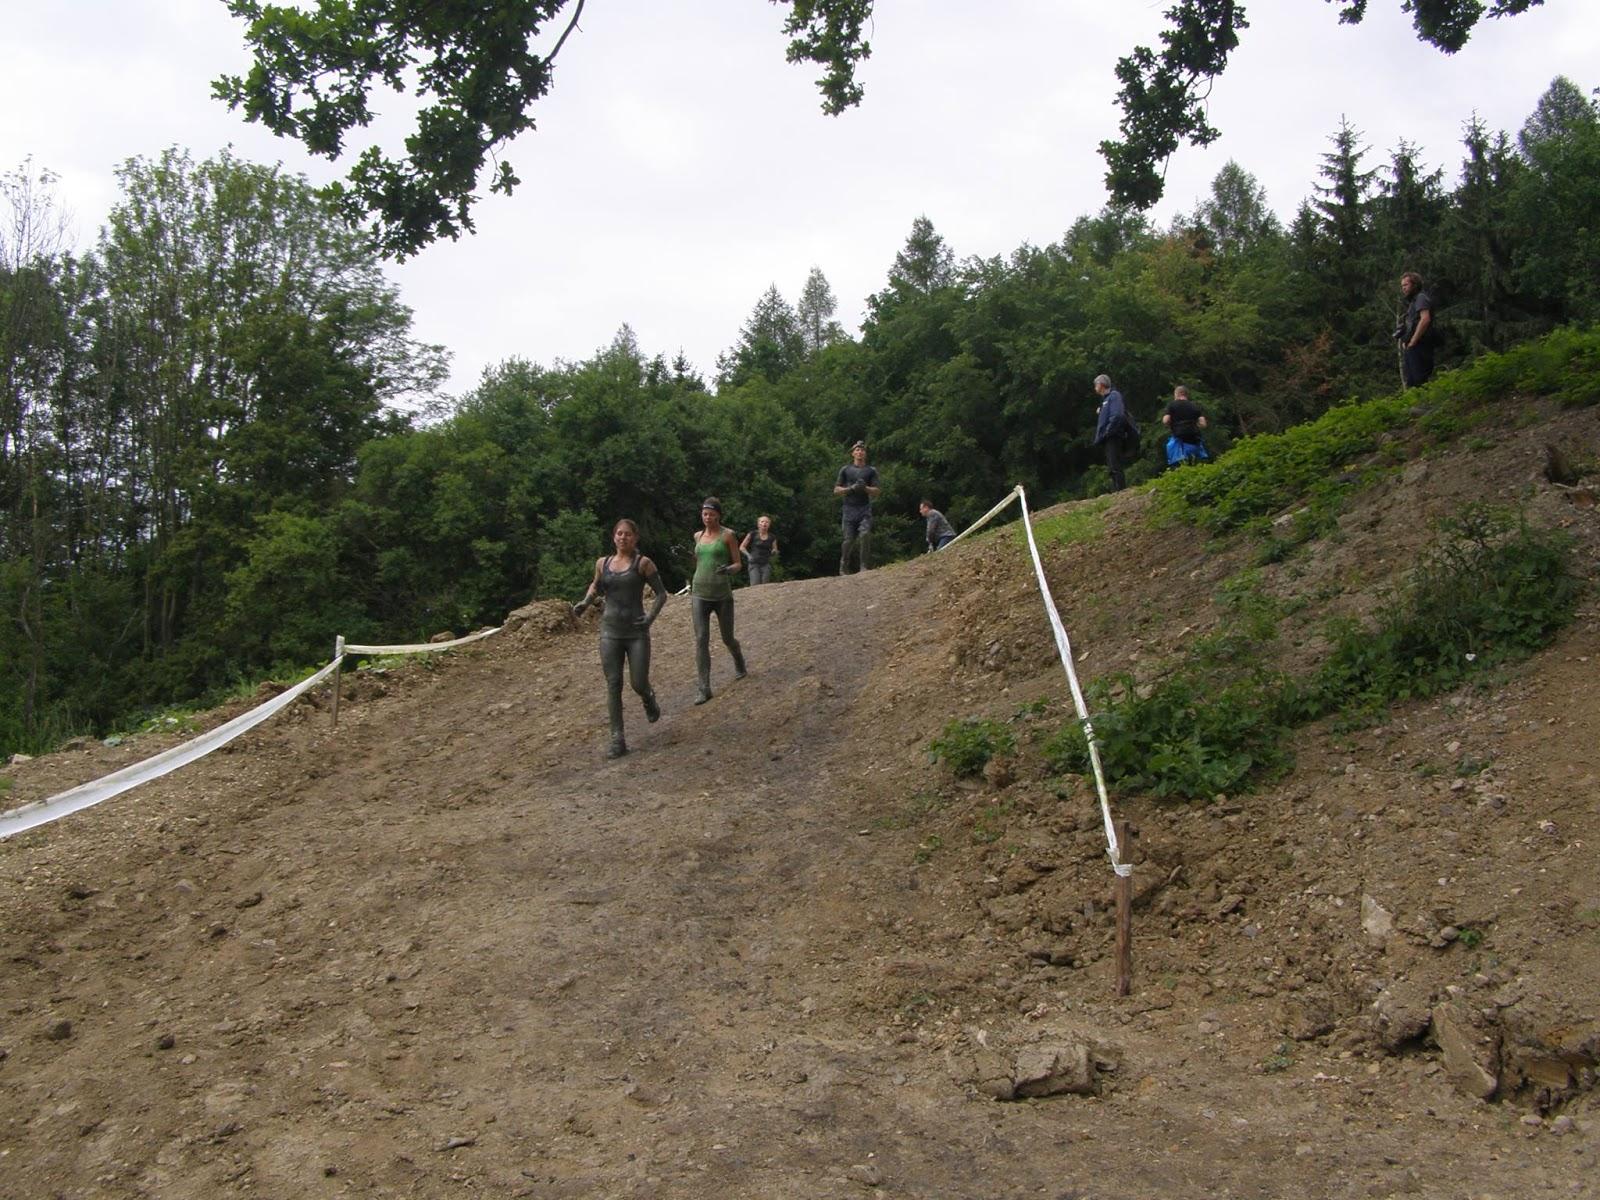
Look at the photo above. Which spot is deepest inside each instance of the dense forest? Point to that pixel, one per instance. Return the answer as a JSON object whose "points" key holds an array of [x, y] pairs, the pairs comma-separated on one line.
{"points": [[220, 444]]}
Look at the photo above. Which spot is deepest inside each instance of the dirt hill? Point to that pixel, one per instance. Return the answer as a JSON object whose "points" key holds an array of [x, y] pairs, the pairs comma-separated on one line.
{"points": [[776, 951]]}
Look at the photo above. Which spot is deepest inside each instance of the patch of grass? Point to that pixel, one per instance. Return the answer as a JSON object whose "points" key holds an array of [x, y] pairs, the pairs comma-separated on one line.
{"points": [[918, 807], [388, 662], [1471, 938], [1083, 522], [989, 824], [5, 785], [1033, 708], [169, 720], [927, 848], [966, 746]]}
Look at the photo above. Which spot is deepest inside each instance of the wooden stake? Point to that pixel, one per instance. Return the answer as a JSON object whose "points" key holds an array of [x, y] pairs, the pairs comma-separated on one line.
{"points": [[338, 673], [1124, 917]]}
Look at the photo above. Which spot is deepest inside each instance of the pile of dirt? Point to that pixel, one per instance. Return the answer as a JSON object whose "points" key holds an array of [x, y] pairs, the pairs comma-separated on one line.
{"points": [[777, 950]]}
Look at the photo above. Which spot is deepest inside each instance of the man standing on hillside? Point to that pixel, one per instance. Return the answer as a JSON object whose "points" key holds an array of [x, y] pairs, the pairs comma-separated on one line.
{"points": [[1187, 424], [858, 484], [1114, 429], [1416, 333]]}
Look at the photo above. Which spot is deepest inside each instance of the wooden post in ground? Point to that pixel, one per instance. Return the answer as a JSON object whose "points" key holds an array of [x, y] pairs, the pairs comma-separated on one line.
{"points": [[1124, 917], [338, 673]]}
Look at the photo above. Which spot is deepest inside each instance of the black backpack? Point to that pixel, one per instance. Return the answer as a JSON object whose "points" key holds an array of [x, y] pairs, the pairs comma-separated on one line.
{"points": [[1130, 436]]}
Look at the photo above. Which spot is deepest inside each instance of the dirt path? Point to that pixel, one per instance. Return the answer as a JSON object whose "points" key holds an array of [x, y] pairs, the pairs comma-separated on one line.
{"points": [[454, 951]]}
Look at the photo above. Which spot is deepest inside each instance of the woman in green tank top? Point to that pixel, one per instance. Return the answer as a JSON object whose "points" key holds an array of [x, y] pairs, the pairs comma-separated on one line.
{"points": [[716, 559]]}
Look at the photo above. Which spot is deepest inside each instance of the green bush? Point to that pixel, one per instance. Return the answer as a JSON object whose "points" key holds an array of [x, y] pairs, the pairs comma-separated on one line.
{"points": [[967, 745], [1492, 588]]}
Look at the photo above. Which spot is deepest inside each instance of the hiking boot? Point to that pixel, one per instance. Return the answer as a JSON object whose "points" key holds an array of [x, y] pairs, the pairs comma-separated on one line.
{"points": [[618, 748], [652, 710]]}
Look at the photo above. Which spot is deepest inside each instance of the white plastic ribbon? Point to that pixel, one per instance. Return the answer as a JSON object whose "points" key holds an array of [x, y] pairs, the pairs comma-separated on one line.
{"points": [[421, 647], [1064, 649], [87, 795]]}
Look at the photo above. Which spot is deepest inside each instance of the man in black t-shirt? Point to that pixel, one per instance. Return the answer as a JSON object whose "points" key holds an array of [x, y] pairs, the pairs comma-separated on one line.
{"points": [[1416, 333], [1186, 423], [858, 484]]}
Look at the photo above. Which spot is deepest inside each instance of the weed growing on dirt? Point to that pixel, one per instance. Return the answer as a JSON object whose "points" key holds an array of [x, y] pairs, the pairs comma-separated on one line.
{"points": [[1193, 735], [916, 808], [916, 1006], [927, 848], [989, 823], [1280, 1059], [5, 785], [1471, 938], [966, 746]]}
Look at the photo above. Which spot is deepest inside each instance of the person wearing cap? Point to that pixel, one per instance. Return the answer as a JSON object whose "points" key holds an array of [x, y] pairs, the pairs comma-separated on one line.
{"points": [[620, 579], [716, 558], [858, 484]]}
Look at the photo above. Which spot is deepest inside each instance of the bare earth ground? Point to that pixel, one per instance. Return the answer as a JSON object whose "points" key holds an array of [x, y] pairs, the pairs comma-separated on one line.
{"points": [[776, 952]]}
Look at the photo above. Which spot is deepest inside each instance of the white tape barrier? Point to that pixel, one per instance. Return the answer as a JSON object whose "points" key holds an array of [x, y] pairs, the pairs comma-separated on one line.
{"points": [[1013, 494], [87, 795], [1064, 649], [421, 647]]}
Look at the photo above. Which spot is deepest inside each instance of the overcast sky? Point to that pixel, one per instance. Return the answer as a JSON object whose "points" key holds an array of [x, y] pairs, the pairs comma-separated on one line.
{"points": [[680, 166]]}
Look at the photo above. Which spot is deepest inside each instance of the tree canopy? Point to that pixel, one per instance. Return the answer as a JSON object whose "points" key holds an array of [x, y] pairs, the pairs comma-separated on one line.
{"points": [[479, 77]]}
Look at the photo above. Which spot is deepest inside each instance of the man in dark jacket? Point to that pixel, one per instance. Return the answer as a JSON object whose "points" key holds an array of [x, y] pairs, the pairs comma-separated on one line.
{"points": [[1416, 333], [1114, 429]]}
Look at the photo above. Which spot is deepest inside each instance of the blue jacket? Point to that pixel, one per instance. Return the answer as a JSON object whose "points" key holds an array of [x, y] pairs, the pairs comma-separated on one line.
{"points": [[1114, 419]]}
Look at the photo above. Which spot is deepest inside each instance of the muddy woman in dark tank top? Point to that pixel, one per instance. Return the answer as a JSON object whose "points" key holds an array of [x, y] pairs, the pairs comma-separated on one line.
{"points": [[760, 547], [624, 625]]}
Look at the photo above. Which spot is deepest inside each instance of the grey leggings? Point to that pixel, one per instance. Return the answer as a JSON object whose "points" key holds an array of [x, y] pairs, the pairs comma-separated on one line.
{"points": [[759, 573], [700, 613], [613, 650]]}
